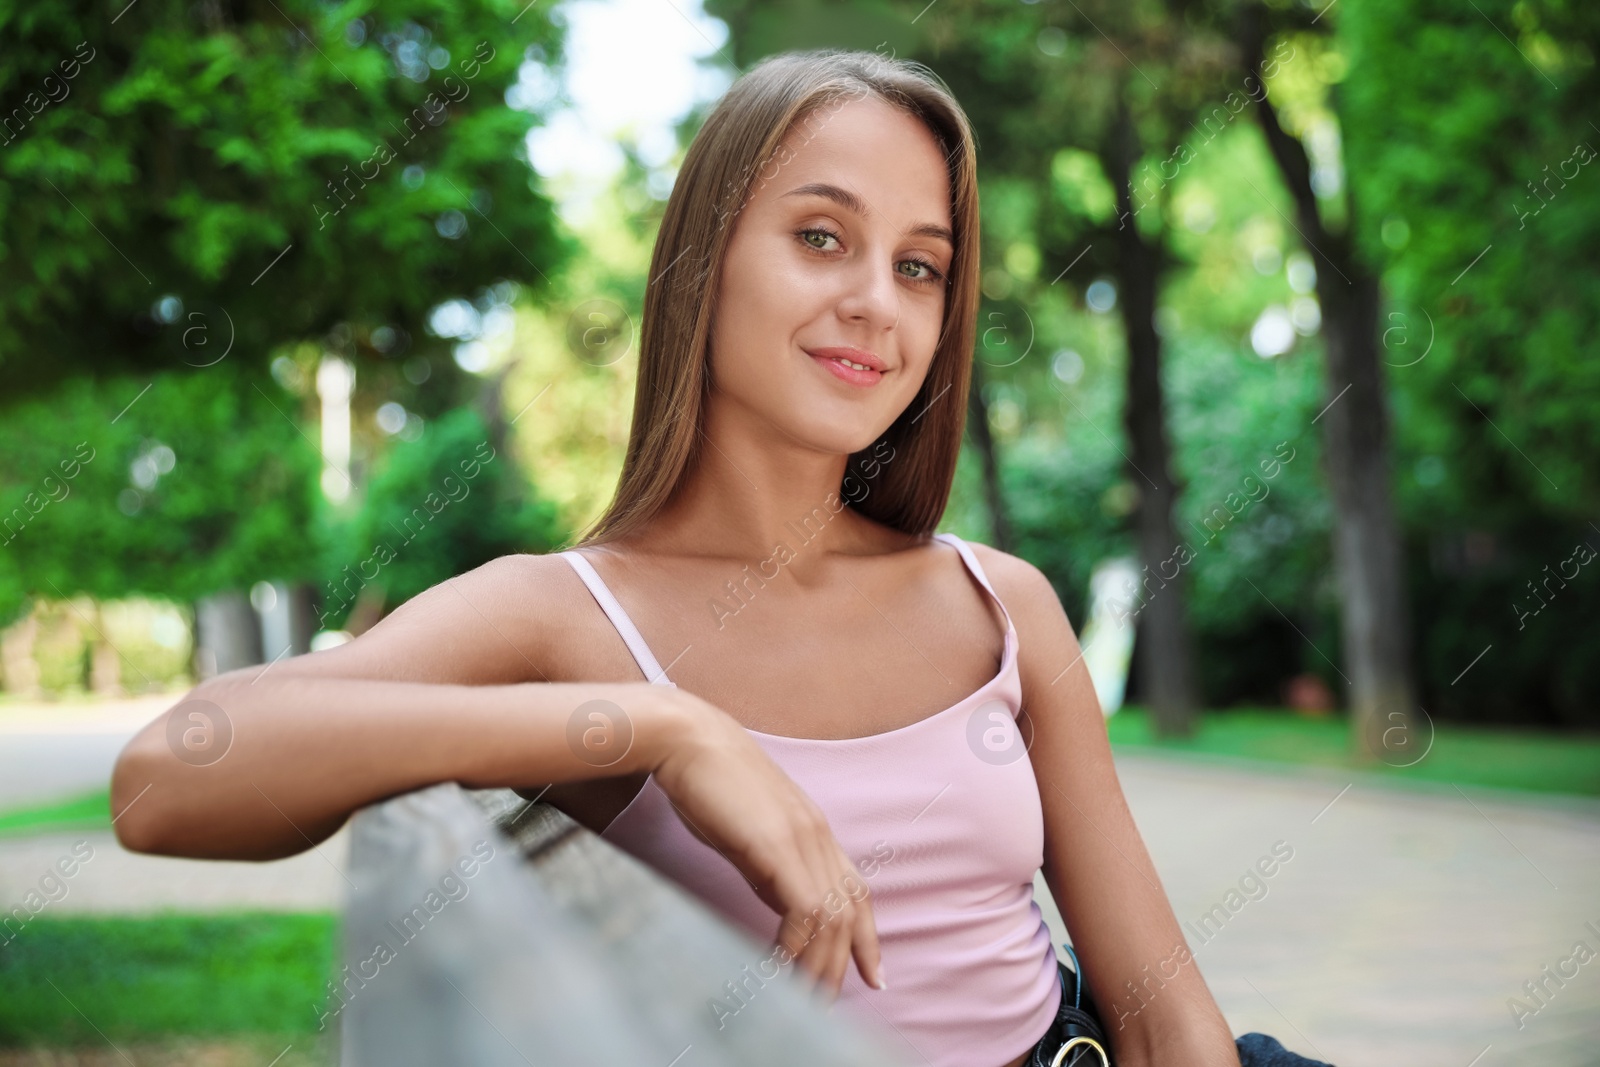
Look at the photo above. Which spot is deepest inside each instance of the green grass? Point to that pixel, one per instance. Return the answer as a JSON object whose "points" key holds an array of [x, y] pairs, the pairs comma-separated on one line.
{"points": [[69, 981], [1545, 762], [92, 811]]}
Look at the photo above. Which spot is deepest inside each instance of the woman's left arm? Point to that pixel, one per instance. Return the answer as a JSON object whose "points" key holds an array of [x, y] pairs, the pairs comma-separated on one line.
{"points": [[1145, 983]]}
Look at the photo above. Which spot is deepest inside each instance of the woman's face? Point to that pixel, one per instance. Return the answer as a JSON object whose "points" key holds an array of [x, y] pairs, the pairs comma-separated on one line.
{"points": [[842, 250]]}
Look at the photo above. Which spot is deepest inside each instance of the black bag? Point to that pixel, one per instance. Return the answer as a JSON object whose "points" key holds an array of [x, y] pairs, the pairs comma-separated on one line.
{"points": [[1077, 1037]]}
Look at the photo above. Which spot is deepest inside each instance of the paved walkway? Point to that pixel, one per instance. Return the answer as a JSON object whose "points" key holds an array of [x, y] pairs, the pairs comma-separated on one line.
{"points": [[1401, 926], [1394, 936], [53, 750], [113, 880]]}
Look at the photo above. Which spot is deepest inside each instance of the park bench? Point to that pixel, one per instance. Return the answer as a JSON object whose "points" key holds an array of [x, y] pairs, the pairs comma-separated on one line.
{"points": [[556, 949]]}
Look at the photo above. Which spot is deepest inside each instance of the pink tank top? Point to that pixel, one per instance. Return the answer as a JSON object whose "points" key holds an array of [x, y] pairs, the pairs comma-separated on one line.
{"points": [[942, 819]]}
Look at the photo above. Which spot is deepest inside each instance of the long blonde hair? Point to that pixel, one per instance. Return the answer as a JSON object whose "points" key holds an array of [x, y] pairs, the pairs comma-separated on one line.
{"points": [[738, 142]]}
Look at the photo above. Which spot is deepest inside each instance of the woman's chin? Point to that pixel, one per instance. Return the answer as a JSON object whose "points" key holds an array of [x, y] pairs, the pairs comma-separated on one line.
{"points": [[843, 441]]}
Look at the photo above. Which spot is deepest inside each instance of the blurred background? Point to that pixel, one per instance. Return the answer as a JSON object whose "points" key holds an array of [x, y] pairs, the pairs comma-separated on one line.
{"points": [[1283, 376]]}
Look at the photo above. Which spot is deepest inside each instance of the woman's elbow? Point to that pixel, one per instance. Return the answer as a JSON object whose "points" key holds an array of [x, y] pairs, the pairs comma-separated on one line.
{"points": [[153, 781], [134, 820]]}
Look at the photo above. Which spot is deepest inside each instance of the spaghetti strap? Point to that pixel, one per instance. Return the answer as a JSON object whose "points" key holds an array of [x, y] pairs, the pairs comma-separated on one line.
{"points": [[619, 618], [973, 565]]}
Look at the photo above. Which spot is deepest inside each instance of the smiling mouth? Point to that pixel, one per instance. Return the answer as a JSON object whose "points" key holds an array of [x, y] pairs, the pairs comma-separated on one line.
{"points": [[848, 370]]}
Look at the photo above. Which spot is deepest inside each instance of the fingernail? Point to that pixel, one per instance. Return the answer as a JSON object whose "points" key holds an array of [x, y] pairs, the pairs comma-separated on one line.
{"points": [[881, 984]]}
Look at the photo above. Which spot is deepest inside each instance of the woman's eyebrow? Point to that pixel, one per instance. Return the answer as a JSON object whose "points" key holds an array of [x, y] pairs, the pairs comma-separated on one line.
{"points": [[851, 202]]}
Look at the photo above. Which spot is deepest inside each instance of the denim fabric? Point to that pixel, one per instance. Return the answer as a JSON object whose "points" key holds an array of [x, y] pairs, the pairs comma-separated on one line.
{"points": [[1259, 1050]]}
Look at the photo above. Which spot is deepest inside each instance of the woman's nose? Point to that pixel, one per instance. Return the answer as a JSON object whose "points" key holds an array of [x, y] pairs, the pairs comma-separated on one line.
{"points": [[870, 293]]}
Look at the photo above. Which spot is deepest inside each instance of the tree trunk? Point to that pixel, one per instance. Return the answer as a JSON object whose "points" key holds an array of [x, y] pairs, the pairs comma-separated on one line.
{"points": [[983, 440], [227, 634], [1366, 542], [1374, 614], [302, 617], [1163, 651]]}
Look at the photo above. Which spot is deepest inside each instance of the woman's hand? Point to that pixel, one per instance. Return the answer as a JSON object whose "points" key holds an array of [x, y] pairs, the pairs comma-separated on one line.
{"points": [[732, 795]]}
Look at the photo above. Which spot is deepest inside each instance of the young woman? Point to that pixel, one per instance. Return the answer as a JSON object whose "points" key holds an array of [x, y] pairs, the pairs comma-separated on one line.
{"points": [[860, 740]]}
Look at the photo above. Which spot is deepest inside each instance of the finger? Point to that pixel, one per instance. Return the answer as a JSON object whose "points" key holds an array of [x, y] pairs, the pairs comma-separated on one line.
{"points": [[836, 912], [844, 891], [820, 938], [797, 932], [821, 950], [864, 941], [836, 908], [831, 952], [800, 925], [839, 952]]}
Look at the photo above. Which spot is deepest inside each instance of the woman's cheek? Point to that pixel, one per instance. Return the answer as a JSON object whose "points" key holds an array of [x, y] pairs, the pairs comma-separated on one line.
{"points": [[926, 342], [796, 292]]}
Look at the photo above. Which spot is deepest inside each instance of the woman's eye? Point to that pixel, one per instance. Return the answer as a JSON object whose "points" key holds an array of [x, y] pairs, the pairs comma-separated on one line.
{"points": [[814, 237], [807, 234]]}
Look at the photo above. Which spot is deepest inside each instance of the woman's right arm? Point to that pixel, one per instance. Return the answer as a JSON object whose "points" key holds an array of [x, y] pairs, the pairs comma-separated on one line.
{"points": [[266, 761], [307, 752], [437, 692]]}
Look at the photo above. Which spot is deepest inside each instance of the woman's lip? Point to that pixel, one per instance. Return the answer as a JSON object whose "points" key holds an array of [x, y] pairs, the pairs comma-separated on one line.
{"points": [[853, 354], [849, 374]]}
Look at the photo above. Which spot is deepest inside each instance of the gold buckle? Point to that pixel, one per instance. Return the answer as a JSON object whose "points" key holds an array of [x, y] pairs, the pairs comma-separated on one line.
{"points": [[1080, 1043]]}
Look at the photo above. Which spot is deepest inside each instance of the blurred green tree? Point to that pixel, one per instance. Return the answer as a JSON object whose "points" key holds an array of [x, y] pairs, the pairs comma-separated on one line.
{"points": [[1078, 106], [436, 507], [179, 184], [1473, 142], [175, 486], [1374, 606], [191, 195]]}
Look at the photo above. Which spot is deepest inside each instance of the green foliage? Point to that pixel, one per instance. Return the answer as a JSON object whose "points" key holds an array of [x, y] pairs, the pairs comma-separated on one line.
{"points": [[1080, 186], [438, 506], [1067, 503], [1253, 513], [1443, 124], [185, 194], [1432, 89], [199, 143], [276, 169], [240, 973], [1068, 484], [1476, 164], [173, 485]]}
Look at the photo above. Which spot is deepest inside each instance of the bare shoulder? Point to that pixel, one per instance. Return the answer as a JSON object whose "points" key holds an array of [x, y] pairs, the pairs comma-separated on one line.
{"points": [[1024, 588], [1047, 645], [509, 588], [499, 623]]}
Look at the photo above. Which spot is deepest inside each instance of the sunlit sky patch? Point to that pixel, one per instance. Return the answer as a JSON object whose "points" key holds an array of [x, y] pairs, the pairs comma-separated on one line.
{"points": [[630, 75]]}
